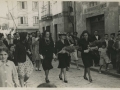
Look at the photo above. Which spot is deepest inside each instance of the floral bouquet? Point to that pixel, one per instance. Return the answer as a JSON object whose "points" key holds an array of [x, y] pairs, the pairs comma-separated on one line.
{"points": [[69, 49]]}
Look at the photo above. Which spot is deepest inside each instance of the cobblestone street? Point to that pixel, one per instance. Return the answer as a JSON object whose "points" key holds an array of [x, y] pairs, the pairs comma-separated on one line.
{"points": [[75, 79]]}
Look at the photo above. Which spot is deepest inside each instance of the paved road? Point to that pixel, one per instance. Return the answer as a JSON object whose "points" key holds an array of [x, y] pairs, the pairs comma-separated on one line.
{"points": [[75, 79]]}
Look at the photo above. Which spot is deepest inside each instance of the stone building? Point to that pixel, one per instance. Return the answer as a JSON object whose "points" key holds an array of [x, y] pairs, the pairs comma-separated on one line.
{"points": [[100, 16], [57, 16]]}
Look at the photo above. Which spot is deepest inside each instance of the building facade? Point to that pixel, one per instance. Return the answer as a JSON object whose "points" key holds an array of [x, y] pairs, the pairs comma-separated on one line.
{"points": [[57, 16], [23, 15], [100, 16]]}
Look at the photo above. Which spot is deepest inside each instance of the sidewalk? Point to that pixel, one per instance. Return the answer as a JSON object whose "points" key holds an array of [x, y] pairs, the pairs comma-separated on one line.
{"points": [[110, 72]]}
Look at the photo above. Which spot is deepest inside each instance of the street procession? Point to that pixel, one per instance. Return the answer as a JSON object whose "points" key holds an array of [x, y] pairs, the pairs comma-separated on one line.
{"points": [[59, 48]]}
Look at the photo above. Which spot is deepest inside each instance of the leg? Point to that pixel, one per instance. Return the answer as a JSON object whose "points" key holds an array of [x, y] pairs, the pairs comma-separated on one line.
{"points": [[61, 71], [65, 77], [85, 73], [22, 81], [100, 68], [46, 75], [39, 64], [60, 75], [90, 78], [77, 64], [36, 64]]}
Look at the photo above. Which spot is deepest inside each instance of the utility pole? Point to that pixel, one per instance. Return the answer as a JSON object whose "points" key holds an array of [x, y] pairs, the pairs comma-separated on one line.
{"points": [[11, 16], [8, 13], [38, 16]]}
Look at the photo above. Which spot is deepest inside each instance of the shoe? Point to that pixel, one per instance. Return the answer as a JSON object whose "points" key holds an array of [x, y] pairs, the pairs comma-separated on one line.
{"points": [[36, 69], [47, 81], [65, 81], [39, 70], [60, 78], [90, 80], [85, 78]]}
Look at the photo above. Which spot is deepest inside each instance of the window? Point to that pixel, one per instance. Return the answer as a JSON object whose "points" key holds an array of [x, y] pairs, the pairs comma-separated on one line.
{"points": [[91, 4], [23, 20], [35, 20], [22, 5], [35, 5]]}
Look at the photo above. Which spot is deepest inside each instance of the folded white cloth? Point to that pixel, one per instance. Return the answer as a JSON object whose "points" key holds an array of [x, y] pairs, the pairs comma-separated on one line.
{"points": [[41, 56]]}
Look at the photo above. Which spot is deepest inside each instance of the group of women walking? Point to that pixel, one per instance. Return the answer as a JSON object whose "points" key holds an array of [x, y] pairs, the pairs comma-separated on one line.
{"points": [[42, 50]]}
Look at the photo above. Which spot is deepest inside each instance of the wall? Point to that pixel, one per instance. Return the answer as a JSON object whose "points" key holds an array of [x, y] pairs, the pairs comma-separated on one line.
{"points": [[112, 18], [110, 12]]}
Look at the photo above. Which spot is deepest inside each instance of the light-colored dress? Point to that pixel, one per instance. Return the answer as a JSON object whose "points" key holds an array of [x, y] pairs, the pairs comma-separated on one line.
{"points": [[74, 55], [103, 56], [8, 74], [36, 50], [26, 68]]}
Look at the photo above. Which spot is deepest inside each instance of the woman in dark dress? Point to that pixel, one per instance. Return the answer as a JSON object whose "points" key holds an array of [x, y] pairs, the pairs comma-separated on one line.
{"points": [[86, 55], [63, 57], [47, 52]]}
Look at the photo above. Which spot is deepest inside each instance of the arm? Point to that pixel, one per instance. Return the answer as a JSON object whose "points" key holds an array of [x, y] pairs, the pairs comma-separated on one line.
{"points": [[15, 75]]}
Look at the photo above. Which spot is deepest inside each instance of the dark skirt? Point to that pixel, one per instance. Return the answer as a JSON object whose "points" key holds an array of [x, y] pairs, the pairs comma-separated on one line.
{"points": [[64, 60], [47, 63], [87, 59]]}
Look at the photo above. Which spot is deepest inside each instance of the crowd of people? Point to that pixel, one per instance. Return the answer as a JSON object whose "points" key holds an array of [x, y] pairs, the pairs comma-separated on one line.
{"points": [[23, 52]]}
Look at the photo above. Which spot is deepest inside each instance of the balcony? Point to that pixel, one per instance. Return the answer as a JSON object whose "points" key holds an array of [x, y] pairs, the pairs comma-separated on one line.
{"points": [[47, 17]]}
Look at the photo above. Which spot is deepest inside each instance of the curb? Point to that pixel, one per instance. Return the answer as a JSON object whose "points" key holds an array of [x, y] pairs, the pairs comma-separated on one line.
{"points": [[103, 72]]}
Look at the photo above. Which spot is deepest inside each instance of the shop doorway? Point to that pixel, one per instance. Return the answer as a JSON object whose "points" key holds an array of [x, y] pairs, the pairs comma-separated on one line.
{"points": [[96, 23]]}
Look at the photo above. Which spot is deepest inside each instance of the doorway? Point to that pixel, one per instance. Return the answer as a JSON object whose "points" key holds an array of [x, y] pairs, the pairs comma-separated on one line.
{"points": [[96, 23]]}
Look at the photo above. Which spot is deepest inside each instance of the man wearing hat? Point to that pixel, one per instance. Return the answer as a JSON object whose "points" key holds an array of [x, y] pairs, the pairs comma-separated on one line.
{"points": [[111, 51]]}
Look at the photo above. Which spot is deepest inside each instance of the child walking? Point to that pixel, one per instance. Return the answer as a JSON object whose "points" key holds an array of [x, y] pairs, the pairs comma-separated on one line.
{"points": [[8, 72], [103, 57]]}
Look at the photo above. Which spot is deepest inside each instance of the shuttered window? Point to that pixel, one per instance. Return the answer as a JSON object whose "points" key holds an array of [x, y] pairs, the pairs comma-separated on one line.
{"points": [[23, 20], [35, 20], [22, 5]]}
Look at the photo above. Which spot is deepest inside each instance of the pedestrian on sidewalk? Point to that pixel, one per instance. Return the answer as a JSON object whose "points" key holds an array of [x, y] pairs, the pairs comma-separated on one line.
{"points": [[47, 52], [8, 72], [111, 51], [86, 55], [103, 56], [117, 48], [25, 66], [36, 51], [63, 56]]}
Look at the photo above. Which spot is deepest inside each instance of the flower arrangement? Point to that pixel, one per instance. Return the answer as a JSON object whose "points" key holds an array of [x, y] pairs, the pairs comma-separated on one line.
{"points": [[69, 49]]}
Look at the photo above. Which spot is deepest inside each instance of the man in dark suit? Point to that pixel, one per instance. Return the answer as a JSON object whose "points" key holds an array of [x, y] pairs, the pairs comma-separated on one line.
{"points": [[111, 51], [96, 56], [96, 36]]}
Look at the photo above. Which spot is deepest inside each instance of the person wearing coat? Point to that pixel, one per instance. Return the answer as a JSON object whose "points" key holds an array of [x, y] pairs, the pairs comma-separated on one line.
{"points": [[63, 56], [86, 54], [46, 51], [96, 56]]}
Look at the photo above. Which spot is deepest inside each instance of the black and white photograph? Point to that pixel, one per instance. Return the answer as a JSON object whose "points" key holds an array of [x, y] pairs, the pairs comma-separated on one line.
{"points": [[59, 44]]}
